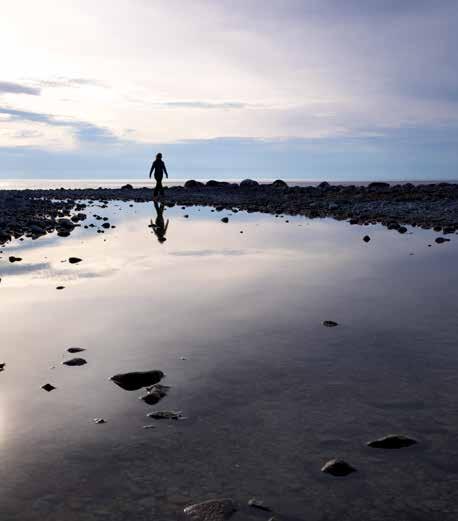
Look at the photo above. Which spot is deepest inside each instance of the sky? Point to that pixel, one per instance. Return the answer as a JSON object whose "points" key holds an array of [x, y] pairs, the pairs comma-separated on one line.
{"points": [[299, 89]]}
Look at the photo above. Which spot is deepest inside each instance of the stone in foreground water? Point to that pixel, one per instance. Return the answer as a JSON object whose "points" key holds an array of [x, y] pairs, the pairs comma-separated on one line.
{"points": [[213, 510], [74, 362], [136, 380], [337, 467], [330, 323], [392, 441]]}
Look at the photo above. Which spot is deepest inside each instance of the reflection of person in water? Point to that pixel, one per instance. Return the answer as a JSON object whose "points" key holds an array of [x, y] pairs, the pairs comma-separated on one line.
{"points": [[159, 169], [159, 228]]}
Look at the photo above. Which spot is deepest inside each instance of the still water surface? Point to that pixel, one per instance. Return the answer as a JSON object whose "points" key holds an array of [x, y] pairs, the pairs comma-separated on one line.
{"points": [[269, 393]]}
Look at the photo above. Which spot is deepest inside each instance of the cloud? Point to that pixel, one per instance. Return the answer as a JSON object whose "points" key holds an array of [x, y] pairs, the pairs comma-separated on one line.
{"points": [[201, 105], [70, 82], [18, 88], [83, 130]]}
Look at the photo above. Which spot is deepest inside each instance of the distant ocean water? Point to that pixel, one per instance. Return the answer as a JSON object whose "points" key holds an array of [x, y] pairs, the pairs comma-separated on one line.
{"points": [[23, 184]]}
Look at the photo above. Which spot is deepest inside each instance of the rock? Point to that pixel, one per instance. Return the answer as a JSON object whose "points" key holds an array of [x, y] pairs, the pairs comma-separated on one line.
{"points": [[149, 426], [186, 216], [75, 349], [279, 183], [74, 260], [193, 184], [225, 220], [137, 380], [48, 387], [166, 415], [330, 323], [2, 366], [155, 393], [378, 185], [366, 238], [99, 420], [213, 510], [106, 225], [438, 240], [60, 287], [392, 441], [257, 503], [249, 183], [337, 467], [74, 362], [12, 258], [324, 185], [127, 187]]}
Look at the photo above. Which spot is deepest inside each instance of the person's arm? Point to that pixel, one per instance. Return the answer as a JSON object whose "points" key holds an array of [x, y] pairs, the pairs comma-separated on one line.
{"points": [[165, 170], [151, 169]]}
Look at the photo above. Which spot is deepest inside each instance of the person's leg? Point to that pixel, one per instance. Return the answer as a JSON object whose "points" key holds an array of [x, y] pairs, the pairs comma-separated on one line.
{"points": [[156, 188], [160, 188]]}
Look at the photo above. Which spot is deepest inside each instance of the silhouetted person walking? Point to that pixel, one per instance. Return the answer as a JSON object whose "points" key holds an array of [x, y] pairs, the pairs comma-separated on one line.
{"points": [[159, 228], [158, 167]]}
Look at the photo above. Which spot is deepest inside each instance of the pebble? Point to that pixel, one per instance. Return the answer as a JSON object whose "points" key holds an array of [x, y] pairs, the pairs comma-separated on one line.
{"points": [[337, 467], [213, 510], [48, 387], [392, 441], [74, 362], [330, 323], [75, 349], [257, 503], [166, 415]]}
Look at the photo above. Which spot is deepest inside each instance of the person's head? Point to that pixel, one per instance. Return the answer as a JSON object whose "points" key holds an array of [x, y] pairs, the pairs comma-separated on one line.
{"points": [[159, 156]]}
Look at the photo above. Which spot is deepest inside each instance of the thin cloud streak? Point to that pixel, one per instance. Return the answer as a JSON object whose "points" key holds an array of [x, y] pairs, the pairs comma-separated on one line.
{"points": [[9, 87]]}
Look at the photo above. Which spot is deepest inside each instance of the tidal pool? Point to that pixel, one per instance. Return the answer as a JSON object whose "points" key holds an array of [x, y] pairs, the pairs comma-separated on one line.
{"points": [[269, 394]]}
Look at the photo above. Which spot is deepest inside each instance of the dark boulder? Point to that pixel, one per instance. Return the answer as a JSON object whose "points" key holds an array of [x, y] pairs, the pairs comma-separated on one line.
{"points": [[249, 183], [279, 183], [378, 186], [127, 187], [137, 380], [193, 184]]}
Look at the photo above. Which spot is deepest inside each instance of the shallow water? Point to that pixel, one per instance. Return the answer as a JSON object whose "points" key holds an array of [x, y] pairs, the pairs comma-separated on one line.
{"points": [[269, 393]]}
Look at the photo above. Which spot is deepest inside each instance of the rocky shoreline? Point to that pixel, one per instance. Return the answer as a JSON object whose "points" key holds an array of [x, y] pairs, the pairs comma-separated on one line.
{"points": [[34, 213]]}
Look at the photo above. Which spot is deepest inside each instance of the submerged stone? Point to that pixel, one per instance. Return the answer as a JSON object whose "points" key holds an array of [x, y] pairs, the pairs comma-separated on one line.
{"points": [[337, 467], [257, 503], [213, 510], [166, 415], [137, 380], [392, 441], [155, 393]]}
